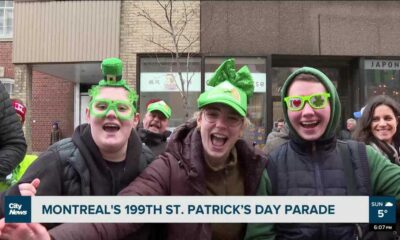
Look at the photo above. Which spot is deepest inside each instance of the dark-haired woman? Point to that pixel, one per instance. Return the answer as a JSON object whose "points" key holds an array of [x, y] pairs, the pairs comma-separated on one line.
{"points": [[378, 127]]}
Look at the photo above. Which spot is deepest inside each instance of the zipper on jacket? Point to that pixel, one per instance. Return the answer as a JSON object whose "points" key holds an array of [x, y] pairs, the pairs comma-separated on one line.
{"points": [[318, 182], [317, 170]]}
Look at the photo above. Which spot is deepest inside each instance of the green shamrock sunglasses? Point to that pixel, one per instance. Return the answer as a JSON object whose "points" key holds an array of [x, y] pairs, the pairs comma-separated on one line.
{"points": [[316, 101], [124, 110]]}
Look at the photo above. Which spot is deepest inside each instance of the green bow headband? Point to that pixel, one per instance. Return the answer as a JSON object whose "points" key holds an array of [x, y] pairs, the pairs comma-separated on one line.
{"points": [[231, 87], [112, 77], [241, 79]]}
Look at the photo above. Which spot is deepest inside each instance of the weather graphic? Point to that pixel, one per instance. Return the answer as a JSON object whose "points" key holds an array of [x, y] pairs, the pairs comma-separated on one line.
{"points": [[389, 204], [382, 213]]}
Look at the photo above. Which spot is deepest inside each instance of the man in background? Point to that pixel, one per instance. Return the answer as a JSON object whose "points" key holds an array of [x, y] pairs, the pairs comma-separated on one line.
{"points": [[155, 123], [278, 136], [345, 134]]}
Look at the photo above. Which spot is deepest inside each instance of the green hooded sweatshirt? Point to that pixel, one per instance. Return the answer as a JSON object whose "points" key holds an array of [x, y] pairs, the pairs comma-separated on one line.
{"points": [[333, 100], [385, 176]]}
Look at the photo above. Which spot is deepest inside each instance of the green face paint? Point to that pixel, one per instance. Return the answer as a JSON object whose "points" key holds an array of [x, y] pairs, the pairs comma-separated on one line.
{"points": [[123, 109]]}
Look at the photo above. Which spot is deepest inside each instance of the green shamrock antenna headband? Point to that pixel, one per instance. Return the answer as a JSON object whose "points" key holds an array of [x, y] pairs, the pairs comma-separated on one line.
{"points": [[112, 77], [231, 87]]}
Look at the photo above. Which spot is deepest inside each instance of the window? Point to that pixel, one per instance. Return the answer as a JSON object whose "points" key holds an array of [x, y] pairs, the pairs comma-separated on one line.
{"points": [[6, 18], [8, 84], [382, 77], [159, 78]]}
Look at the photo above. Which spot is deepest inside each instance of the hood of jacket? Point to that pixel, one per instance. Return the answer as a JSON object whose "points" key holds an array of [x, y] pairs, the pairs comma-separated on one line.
{"points": [[333, 100], [102, 181]]}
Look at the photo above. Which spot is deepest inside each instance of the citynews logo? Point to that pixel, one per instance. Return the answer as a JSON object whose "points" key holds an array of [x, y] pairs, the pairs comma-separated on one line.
{"points": [[18, 209]]}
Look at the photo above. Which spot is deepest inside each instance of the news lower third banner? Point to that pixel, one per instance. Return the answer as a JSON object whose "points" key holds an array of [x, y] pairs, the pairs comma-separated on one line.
{"points": [[196, 209]]}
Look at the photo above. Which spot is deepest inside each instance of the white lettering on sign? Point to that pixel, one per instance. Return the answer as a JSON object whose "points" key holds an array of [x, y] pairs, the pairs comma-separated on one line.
{"points": [[169, 82], [379, 64]]}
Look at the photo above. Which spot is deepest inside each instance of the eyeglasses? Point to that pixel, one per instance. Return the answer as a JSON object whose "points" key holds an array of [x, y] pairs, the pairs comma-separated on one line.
{"points": [[231, 120], [316, 101], [124, 110], [157, 114]]}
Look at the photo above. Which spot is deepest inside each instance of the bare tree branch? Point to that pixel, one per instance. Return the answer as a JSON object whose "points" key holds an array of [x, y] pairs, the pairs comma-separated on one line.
{"points": [[145, 14], [159, 44], [175, 24]]}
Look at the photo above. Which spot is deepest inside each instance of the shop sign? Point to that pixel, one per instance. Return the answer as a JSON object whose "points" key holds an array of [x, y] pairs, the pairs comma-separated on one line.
{"points": [[168, 82], [1, 71], [379, 64]]}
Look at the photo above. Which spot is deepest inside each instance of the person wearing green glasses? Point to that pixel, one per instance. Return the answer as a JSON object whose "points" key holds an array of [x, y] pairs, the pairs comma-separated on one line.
{"points": [[102, 157], [314, 163], [205, 157]]}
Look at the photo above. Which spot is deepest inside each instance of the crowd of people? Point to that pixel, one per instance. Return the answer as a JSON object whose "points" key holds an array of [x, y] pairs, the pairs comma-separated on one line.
{"points": [[116, 154]]}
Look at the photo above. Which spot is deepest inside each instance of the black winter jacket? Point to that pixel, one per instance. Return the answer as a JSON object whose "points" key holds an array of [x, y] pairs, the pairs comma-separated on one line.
{"points": [[75, 167], [317, 169], [12, 140], [156, 142]]}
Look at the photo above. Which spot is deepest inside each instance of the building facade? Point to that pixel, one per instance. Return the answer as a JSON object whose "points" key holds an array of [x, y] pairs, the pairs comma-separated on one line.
{"points": [[54, 63]]}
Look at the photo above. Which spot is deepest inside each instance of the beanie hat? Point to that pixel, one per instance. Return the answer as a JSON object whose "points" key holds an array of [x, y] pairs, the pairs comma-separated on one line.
{"points": [[19, 108]]}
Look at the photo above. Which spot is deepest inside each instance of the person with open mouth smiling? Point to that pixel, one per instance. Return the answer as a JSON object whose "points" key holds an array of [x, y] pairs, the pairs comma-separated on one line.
{"points": [[155, 122], [379, 127], [204, 157], [314, 163], [102, 157]]}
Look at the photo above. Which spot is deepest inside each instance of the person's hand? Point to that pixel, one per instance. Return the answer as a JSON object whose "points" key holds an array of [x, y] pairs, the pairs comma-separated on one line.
{"points": [[29, 189], [26, 231]]}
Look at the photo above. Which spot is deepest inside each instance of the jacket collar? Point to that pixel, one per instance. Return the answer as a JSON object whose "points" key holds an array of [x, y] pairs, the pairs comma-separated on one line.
{"points": [[186, 145], [100, 174], [307, 147], [150, 138]]}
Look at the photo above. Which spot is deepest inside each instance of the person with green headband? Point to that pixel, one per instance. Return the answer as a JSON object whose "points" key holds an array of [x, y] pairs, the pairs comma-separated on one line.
{"points": [[102, 157], [205, 157], [314, 163], [154, 132]]}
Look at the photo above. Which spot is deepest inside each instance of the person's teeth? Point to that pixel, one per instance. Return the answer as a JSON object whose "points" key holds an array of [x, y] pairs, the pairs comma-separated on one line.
{"points": [[310, 123], [218, 135]]}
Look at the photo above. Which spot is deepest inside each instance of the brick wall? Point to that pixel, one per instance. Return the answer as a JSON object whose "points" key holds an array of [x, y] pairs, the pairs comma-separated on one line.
{"points": [[52, 100], [135, 31], [6, 59]]}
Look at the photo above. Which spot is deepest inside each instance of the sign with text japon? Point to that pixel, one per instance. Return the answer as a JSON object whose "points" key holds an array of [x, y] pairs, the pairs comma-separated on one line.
{"points": [[380, 64]]}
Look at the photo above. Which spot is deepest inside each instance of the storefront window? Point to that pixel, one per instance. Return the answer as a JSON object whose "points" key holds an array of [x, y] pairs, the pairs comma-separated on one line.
{"points": [[159, 78], [257, 104], [382, 77]]}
